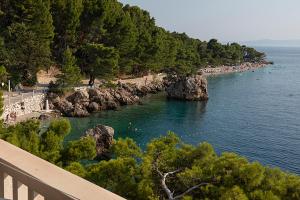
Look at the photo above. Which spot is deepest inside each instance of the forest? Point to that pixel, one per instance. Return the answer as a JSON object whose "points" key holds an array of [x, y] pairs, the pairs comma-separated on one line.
{"points": [[99, 39]]}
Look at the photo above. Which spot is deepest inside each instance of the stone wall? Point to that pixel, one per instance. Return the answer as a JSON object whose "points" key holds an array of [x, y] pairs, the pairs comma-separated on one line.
{"points": [[28, 105]]}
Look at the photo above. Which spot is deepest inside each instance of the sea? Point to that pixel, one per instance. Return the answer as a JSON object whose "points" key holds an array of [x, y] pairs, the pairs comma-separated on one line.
{"points": [[255, 114]]}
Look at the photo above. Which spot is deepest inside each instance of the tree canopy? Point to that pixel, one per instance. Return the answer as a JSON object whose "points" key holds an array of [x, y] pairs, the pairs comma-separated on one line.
{"points": [[70, 73], [49, 144], [171, 169], [106, 37], [167, 169], [27, 28]]}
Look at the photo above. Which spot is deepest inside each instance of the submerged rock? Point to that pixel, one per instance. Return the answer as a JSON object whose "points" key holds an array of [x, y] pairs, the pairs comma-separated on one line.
{"points": [[103, 135], [191, 88]]}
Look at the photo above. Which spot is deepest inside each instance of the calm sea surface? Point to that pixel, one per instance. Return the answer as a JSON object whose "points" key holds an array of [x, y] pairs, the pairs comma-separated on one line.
{"points": [[255, 114]]}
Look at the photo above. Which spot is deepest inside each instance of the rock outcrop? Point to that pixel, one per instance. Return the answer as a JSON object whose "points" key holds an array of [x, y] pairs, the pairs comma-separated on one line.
{"points": [[103, 135], [82, 103], [191, 88]]}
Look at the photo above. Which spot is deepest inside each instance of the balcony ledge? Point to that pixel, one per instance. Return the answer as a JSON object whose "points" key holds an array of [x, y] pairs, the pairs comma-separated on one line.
{"points": [[45, 178]]}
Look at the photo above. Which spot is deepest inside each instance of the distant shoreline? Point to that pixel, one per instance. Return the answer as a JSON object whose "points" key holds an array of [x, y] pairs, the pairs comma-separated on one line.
{"points": [[247, 66]]}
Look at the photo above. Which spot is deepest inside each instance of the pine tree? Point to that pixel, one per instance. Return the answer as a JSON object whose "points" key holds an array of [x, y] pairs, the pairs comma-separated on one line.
{"points": [[42, 26], [66, 19], [70, 71], [29, 38], [99, 61]]}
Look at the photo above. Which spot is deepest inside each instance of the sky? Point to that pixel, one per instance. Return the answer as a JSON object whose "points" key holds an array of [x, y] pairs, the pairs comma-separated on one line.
{"points": [[227, 20]]}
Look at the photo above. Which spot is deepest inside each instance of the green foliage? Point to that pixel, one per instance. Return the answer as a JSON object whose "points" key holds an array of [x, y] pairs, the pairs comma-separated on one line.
{"points": [[24, 135], [70, 73], [251, 55], [83, 149], [126, 148], [194, 172], [4, 57], [116, 175], [77, 169], [29, 33], [109, 84], [99, 61], [50, 144], [108, 39], [61, 127], [235, 193], [25, 53], [52, 140], [3, 75], [136, 175], [66, 19]]}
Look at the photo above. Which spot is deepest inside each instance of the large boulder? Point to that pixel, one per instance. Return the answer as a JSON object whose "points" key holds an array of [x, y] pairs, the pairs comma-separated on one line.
{"points": [[124, 97], [65, 107], [54, 100], [103, 135], [93, 107], [80, 111], [79, 97], [191, 88]]}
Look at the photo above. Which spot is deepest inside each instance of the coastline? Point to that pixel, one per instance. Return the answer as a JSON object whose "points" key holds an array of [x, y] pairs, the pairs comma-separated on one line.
{"points": [[247, 66], [128, 91]]}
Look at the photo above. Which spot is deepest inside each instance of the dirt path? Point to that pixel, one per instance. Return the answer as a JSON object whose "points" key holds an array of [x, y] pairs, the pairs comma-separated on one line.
{"points": [[143, 80]]}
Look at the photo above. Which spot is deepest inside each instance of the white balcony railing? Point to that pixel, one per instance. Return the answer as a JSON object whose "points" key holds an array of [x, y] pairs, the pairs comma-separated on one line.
{"points": [[24, 176]]}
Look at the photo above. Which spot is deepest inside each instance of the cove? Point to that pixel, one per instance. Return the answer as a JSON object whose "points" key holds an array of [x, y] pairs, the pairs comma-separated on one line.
{"points": [[255, 114]]}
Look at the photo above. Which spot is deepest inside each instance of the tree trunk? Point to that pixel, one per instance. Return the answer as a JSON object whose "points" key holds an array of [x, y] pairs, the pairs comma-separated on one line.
{"points": [[92, 80]]}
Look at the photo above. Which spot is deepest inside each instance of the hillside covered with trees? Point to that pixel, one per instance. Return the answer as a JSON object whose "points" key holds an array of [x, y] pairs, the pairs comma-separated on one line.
{"points": [[100, 39]]}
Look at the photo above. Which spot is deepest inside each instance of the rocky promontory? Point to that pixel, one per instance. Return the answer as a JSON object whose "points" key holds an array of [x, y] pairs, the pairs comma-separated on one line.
{"points": [[191, 88]]}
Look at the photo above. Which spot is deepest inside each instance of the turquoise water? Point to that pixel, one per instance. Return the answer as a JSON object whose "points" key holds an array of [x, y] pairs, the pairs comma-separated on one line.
{"points": [[255, 114]]}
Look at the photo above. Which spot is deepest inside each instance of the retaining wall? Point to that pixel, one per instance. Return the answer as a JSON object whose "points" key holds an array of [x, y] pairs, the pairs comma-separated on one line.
{"points": [[28, 105]]}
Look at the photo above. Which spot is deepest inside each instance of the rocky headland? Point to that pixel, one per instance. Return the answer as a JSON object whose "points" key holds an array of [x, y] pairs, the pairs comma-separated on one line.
{"points": [[189, 88]]}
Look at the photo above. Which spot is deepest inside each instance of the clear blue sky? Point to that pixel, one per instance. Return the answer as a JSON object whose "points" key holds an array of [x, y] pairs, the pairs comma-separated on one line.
{"points": [[227, 20]]}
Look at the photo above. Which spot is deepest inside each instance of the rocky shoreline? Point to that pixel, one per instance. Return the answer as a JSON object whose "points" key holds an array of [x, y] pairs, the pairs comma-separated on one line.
{"points": [[83, 102]]}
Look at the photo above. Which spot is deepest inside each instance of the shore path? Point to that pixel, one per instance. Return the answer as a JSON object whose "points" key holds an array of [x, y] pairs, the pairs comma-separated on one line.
{"points": [[141, 81]]}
